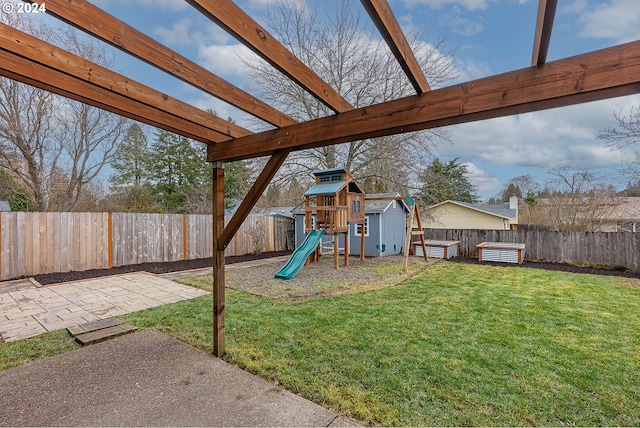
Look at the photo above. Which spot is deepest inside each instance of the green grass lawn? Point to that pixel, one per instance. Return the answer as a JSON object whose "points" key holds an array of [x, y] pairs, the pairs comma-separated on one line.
{"points": [[455, 345]]}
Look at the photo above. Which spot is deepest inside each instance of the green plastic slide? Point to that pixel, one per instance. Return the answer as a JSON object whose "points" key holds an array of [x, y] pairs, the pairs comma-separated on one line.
{"points": [[300, 255]]}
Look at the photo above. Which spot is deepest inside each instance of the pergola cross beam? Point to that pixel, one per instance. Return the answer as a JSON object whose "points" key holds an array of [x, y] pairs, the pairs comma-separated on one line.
{"points": [[544, 25], [98, 23], [382, 16], [237, 23], [54, 69], [588, 77]]}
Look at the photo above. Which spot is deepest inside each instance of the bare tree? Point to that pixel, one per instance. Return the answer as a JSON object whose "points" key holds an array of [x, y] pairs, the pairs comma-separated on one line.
{"points": [[52, 145], [574, 202], [626, 134], [353, 59]]}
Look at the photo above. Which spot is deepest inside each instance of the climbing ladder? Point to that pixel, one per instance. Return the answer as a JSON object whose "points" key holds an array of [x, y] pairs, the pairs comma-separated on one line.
{"points": [[413, 211]]}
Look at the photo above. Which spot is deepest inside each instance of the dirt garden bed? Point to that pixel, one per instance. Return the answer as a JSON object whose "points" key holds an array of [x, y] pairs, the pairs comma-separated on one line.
{"points": [[320, 279], [182, 265], [157, 268]]}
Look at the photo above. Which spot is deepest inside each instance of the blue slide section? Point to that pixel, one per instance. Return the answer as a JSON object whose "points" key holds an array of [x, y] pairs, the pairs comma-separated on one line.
{"points": [[300, 255]]}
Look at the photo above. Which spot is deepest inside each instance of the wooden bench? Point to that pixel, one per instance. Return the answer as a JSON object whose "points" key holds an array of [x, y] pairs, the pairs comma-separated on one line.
{"points": [[97, 331], [501, 252]]}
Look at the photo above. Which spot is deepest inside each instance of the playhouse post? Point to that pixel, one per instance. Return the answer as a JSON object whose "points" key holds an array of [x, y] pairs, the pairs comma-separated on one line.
{"points": [[346, 247], [336, 250]]}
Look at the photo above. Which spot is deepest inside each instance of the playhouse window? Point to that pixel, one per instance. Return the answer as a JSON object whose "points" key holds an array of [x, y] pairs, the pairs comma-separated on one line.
{"points": [[355, 206], [330, 178], [358, 231]]}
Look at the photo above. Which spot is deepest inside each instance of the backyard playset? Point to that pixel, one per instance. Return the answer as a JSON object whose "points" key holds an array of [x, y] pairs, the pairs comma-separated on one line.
{"points": [[331, 205], [337, 207]]}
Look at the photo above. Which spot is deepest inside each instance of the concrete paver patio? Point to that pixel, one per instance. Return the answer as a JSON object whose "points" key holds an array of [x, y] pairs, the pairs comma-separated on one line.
{"points": [[27, 311]]}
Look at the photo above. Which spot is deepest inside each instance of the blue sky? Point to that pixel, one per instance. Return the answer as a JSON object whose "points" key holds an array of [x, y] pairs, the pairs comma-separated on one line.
{"points": [[490, 37]]}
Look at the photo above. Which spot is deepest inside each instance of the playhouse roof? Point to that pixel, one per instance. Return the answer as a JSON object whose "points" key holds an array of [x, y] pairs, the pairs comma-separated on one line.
{"points": [[329, 171], [326, 188]]}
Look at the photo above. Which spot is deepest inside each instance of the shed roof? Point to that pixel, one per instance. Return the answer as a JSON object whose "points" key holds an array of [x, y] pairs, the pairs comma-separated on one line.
{"points": [[388, 195], [498, 210], [374, 205], [4, 206]]}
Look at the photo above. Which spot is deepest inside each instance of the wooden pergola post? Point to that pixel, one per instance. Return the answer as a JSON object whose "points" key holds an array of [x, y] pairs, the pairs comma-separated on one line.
{"points": [[218, 259]]}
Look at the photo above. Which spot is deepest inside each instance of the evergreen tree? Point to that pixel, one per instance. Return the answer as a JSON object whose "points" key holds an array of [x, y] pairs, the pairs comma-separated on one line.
{"points": [[236, 181], [132, 159], [444, 181], [511, 190], [177, 168]]}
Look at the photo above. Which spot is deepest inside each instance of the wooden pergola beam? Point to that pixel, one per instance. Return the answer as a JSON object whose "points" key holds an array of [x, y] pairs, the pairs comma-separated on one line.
{"points": [[544, 25], [237, 23], [588, 77], [383, 17], [36, 62], [96, 22], [37, 75]]}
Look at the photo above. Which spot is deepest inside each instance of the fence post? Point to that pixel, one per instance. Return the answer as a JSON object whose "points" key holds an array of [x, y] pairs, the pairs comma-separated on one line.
{"points": [[184, 236], [1, 246], [110, 239]]}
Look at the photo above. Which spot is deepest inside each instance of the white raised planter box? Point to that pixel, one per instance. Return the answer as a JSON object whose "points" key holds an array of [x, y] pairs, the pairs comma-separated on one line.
{"points": [[437, 249], [501, 252]]}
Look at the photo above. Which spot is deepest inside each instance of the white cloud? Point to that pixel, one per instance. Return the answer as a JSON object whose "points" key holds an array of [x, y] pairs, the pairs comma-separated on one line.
{"points": [[182, 33], [264, 4], [171, 5], [542, 139], [470, 69], [226, 59], [484, 183], [437, 4], [617, 20]]}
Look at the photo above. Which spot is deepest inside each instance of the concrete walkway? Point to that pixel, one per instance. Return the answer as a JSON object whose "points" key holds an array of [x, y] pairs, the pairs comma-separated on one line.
{"points": [[148, 379]]}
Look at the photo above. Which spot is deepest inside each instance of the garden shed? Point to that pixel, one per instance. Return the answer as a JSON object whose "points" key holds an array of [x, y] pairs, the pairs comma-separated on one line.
{"points": [[384, 226]]}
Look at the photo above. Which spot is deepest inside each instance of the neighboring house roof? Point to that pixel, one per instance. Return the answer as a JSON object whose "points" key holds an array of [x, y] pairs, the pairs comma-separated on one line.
{"points": [[4, 206], [628, 209], [298, 209], [277, 212], [498, 210], [622, 208]]}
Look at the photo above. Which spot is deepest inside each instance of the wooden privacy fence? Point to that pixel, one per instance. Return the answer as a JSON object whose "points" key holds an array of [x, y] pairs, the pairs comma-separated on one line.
{"points": [[38, 243], [594, 248]]}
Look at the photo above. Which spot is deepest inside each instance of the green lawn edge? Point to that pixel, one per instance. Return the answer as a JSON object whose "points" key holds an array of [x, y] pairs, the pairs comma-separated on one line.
{"points": [[455, 345]]}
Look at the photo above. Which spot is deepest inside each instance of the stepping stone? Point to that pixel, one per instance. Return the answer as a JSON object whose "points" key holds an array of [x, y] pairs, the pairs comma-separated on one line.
{"points": [[97, 331]]}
